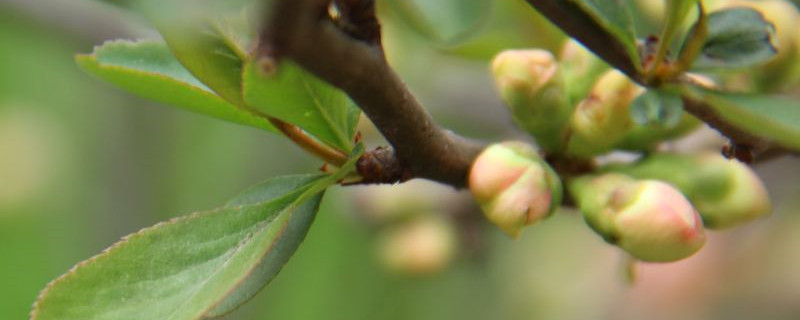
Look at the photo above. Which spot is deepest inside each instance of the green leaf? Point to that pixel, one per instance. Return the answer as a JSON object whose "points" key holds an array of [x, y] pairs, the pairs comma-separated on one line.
{"points": [[184, 268], [737, 37], [197, 266], [293, 95], [443, 21], [203, 37], [147, 68], [657, 108], [773, 117]]}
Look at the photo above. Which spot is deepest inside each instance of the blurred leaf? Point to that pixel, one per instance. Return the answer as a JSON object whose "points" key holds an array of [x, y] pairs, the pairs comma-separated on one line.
{"points": [[148, 68], [737, 37], [511, 24], [293, 95], [773, 117], [444, 21], [657, 108], [204, 41]]}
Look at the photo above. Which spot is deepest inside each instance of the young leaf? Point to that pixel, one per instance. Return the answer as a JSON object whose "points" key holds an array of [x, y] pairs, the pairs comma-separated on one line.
{"points": [[737, 37], [604, 26], [443, 21], [147, 68], [293, 95], [773, 117], [657, 108]]}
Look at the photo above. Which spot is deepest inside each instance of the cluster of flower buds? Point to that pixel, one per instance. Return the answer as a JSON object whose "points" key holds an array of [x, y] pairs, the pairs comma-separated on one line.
{"points": [[726, 192], [649, 219], [576, 106], [514, 186]]}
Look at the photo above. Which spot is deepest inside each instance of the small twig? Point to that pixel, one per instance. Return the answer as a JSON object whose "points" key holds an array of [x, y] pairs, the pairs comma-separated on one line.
{"points": [[300, 138], [353, 61]]}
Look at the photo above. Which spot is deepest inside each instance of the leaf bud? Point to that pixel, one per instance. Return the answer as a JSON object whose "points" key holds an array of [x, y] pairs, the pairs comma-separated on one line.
{"points": [[514, 186], [531, 85], [649, 219]]}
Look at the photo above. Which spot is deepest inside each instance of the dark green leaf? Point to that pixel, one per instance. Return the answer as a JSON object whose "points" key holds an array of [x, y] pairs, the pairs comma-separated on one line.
{"points": [[773, 117], [148, 68], [737, 37], [444, 21], [657, 108], [293, 95]]}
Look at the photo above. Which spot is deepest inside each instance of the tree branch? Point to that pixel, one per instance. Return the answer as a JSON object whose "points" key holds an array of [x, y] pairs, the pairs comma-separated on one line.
{"points": [[744, 146], [302, 31], [577, 24]]}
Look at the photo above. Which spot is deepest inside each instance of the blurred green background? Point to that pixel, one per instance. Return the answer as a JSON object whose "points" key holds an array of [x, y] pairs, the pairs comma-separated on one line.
{"points": [[83, 164]]}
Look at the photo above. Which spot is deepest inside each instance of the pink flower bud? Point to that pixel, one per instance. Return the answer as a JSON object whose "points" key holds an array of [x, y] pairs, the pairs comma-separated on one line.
{"points": [[514, 186], [655, 222], [649, 219]]}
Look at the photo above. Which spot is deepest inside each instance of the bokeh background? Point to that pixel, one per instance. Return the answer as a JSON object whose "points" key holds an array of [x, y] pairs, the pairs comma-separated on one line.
{"points": [[83, 164]]}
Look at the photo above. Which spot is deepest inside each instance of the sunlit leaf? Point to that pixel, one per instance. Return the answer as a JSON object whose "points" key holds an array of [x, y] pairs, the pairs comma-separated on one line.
{"points": [[297, 97], [737, 37], [147, 68]]}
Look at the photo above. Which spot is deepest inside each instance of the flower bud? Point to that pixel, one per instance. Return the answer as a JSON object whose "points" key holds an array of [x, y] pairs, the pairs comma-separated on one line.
{"points": [[514, 186], [743, 199], [424, 245], [530, 83], [726, 192], [581, 68], [649, 219], [602, 119]]}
